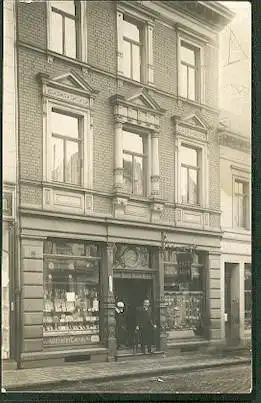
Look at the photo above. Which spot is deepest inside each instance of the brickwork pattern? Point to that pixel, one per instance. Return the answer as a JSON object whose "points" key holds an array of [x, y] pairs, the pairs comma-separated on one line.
{"points": [[101, 53], [101, 35], [165, 62], [31, 195], [32, 23]]}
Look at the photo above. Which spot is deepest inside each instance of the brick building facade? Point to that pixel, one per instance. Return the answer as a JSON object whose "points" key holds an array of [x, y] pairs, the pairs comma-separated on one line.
{"points": [[117, 211]]}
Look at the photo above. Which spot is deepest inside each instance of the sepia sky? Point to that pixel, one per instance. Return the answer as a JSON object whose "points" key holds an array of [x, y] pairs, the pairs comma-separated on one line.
{"points": [[235, 66]]}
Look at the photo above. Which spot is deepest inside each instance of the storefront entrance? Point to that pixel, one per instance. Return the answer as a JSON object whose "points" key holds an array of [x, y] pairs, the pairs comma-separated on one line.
{"points": [[132, 293]]}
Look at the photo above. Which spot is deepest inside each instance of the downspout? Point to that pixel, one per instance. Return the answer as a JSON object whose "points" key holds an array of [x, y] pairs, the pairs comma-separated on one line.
{"points": [[17, 257]]}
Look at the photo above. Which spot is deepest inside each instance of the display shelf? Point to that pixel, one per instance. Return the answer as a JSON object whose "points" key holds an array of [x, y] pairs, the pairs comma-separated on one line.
{"points": [[70, 333]]}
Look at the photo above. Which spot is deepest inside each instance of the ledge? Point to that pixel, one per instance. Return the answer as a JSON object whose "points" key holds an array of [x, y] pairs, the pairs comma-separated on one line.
{"points": [[45, 355]]}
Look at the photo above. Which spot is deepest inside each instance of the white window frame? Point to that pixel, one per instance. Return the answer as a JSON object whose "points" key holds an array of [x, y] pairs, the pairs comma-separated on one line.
{"points": [[87, 143], [203, 177], [146, 74], [200, 97], [146, 158], [81, 46], [246, 181]]}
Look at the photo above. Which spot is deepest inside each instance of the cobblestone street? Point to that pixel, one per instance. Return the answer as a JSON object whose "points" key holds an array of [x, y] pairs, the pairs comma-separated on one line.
{"points": [[221, 380]]}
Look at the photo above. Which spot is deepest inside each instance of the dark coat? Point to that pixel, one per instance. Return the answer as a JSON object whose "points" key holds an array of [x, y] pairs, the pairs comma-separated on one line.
{"points": [[145, 323]]}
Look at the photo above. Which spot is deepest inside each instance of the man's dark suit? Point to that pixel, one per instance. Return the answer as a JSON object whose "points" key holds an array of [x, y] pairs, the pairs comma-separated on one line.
{"points": [[145, 323]]}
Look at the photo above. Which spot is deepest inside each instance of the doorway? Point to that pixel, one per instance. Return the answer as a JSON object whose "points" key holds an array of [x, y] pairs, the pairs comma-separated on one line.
{"points": [[132, 292], [232, 295]]}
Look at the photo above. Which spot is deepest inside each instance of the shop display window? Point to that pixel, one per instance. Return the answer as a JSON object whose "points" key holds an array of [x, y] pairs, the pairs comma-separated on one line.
{"points": [[71, 290], [183, 290]]}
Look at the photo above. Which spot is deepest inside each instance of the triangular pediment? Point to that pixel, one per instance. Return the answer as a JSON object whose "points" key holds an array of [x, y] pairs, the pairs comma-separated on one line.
{"points": [[193, 119], [71, 80], [142, 98]]}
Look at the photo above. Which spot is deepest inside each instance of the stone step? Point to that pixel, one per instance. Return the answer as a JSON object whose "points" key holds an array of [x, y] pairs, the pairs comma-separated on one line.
{"points": [[137, 356]]}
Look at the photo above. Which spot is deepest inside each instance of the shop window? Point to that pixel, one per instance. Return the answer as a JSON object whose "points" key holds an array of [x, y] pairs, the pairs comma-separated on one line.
{"points": [[190, 171], [65, 27], [248, 296], [66, 144], [134, 163], [183, 290], [241, 204], [71, 291], [189, 80]]}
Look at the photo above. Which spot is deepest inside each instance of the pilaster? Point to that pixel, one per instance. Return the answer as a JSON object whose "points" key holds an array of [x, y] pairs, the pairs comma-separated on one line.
{"points": [[155, 177], [118, 156], [108, 305], [213, 296], [161, 306]]}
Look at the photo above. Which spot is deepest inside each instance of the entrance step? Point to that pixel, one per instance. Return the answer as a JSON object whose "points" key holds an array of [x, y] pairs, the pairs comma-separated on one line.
{"points": [[187, 345], [9, 364], [120, 356]]}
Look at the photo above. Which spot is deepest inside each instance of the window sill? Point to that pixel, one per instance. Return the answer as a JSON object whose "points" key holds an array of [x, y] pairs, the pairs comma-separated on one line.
{"points": [[130, 80], [191, 102], [65, 186]]}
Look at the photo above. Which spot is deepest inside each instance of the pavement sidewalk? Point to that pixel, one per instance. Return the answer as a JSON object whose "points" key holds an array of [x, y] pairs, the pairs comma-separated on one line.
{"points": [[37, 378]]}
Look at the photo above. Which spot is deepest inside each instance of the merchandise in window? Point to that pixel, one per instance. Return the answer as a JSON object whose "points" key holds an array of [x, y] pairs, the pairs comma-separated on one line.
{"points": [[66, 148], [133, 163], [189, 175], [64, 29], [71, 290], [183, 293], [189, 71]]}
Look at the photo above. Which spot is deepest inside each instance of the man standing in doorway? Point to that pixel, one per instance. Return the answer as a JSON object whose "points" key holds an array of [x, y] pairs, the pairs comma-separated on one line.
{"points": [[146, 326]]}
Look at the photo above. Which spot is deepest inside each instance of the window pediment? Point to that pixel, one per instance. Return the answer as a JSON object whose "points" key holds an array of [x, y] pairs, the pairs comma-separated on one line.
{"points": [[71, 82], [193, 120], [138, 108], [191, 126]]}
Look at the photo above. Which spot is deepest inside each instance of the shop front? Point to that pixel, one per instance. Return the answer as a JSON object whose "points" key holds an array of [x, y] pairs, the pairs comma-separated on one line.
{"points": [[71, 293], [71, 285]]}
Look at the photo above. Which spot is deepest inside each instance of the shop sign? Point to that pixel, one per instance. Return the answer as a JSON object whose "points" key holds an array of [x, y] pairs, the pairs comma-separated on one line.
{"points": [[7, 204], [68, 340], [184, 261]]}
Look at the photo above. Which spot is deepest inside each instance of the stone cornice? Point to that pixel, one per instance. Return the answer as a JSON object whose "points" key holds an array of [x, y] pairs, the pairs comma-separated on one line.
{"points": [[211, 13], [233, 140]]}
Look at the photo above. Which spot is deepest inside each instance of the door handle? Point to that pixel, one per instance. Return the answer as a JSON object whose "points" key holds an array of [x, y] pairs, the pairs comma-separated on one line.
{"points": [[12, 306]]}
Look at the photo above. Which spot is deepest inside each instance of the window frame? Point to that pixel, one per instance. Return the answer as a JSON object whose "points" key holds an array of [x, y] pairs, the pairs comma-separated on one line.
{"points": [[188, 169], [65, 139], [145, 26], [80, 29], [198, 47], [86, 154], [145, 141], [245, 182], [139, 43], [203, 185]]}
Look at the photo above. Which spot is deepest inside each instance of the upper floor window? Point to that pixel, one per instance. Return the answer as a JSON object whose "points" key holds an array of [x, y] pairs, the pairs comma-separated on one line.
{"points": [[190, 171], [66, 148], [241, 193], [132, 45], [134, 163], [135, 49], [64, 27], [189, 80]]}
